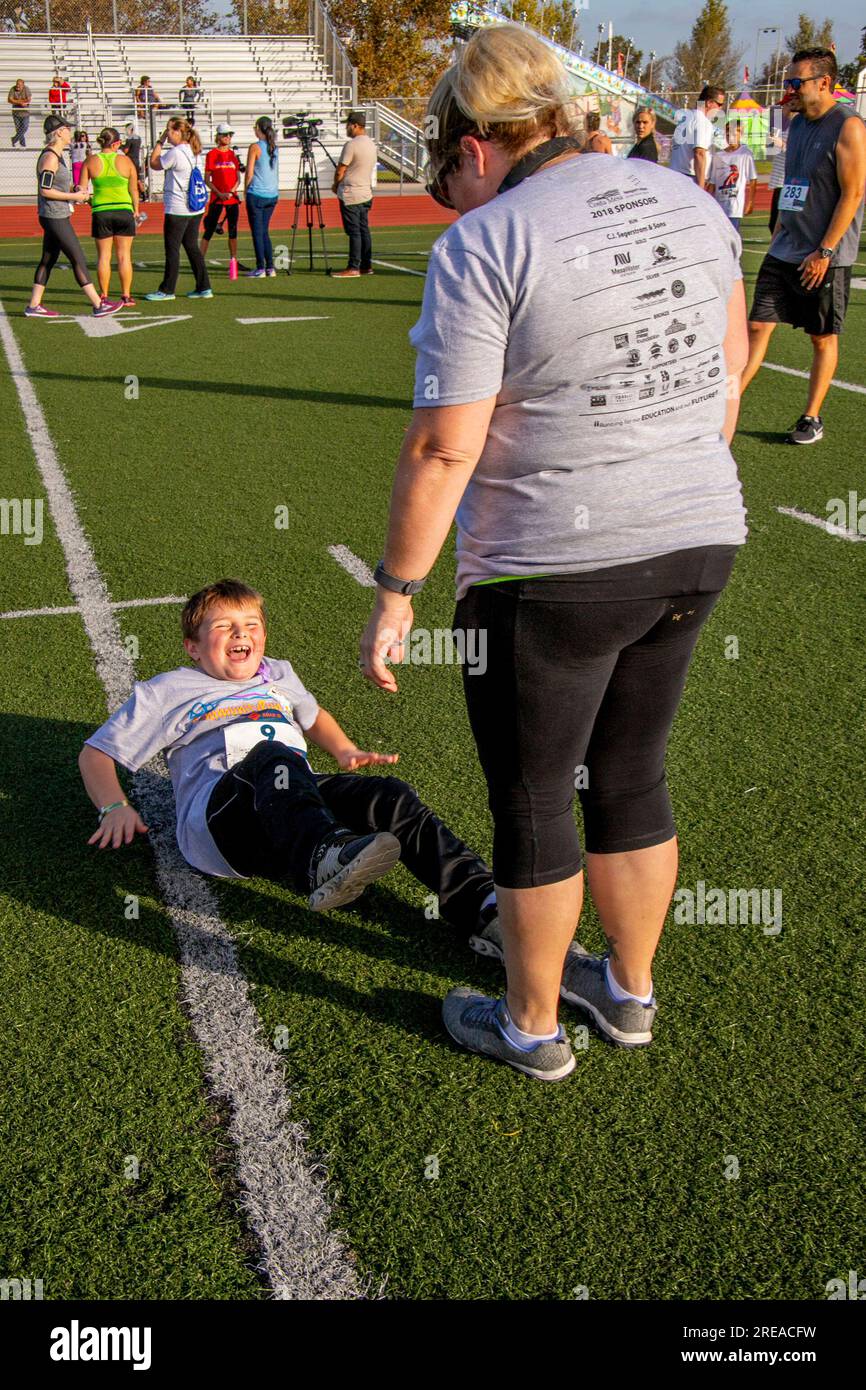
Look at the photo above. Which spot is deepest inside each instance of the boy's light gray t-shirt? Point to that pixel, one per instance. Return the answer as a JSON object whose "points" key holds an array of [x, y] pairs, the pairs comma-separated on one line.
{"points": [[591, 300], [184, 713]]}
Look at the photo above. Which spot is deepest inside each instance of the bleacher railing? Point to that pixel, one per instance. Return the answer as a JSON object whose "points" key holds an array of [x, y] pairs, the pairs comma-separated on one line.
{"points": [[337, 63]]}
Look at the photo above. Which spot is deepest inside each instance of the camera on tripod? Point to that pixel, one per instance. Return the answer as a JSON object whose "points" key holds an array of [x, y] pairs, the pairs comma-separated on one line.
{"points": [[302, 126]]}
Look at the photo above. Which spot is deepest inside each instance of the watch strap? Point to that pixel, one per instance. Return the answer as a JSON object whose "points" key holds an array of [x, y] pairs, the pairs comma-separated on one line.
{"points": [[396, 586]]}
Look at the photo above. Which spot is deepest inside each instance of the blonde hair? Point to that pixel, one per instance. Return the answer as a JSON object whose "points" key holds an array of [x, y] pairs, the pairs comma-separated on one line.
{"points": [[506, 86], [188, 133]]}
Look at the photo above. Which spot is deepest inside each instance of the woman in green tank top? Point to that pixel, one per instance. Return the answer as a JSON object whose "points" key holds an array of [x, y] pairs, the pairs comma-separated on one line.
{"points": [[113, 181]]}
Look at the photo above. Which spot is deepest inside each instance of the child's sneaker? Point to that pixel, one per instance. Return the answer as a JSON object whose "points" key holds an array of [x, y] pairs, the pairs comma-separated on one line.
{"points": [[344, 864], [478, 1024], [107, 306], [584, 983], [38, 311]]}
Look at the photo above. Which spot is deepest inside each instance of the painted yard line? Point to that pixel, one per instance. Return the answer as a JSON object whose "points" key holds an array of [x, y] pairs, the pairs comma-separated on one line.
{"points": [[350, 562], [294, 318], [73, 608], [793, 371], [405, 268], [828, 526], [285, 1200]]}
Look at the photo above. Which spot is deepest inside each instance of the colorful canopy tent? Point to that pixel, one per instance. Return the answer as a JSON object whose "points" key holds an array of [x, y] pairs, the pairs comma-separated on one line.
{"points": [[754, 122], [842, 94]]}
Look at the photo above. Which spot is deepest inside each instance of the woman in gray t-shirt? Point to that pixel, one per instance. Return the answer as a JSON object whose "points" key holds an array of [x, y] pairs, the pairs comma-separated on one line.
{"points": [[55, 199], [579, 351]]}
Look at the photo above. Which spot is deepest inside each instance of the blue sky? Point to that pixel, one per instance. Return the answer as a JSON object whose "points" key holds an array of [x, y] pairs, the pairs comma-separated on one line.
{"points": [[659, 25]]}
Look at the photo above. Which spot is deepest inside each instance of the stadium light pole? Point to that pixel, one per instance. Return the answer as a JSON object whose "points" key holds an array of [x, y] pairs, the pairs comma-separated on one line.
{"points": [[598, 46], [48, 16], [652, 61], [771, 29], [627, 56]]}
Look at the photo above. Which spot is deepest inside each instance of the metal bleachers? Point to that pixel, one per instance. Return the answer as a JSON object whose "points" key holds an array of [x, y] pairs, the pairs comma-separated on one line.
{"points": [[240, 79]]}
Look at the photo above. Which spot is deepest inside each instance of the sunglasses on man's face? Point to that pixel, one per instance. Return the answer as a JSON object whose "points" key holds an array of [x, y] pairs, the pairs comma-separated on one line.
{"points": [[795, 83]]}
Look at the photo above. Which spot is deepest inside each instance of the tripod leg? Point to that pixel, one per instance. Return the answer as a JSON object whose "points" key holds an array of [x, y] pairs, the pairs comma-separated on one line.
{"points": [[298, 196], [318, 204]]}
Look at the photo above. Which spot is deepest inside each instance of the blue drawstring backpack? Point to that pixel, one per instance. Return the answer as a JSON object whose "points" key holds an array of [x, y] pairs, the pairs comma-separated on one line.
{"points": [[196, 193]]}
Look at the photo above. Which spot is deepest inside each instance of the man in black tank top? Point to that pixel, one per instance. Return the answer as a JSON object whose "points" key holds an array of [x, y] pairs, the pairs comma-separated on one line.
{"points": [[805, 279]]}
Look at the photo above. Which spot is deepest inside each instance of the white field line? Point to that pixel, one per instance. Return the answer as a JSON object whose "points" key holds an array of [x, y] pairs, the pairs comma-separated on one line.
{"points": [[354, 566], [405, 268], [793, 371], [829, 526], [73, 608], [284, 1199], [294, 318]]}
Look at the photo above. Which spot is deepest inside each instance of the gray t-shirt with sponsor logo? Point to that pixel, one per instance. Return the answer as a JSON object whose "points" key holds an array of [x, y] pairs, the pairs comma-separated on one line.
{"points": [[591, 301], [186, 713]]}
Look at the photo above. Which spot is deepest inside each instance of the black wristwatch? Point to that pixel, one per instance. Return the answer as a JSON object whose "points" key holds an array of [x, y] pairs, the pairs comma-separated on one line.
{"points": [[397, 586], [826, 252]]}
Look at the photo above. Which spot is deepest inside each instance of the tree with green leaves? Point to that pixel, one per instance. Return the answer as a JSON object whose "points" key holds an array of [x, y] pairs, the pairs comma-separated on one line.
{"points": [[399, 47], [709, 55], [849, 73], [810, 34], [271, 16]]}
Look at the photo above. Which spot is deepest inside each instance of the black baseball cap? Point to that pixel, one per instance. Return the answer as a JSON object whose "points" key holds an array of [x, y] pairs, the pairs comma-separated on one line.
{"points": [[54, 122]]}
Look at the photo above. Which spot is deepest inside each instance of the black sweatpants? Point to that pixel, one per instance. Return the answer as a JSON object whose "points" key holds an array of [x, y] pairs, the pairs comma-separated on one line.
{"points": [[269, 812], [583, 678], [59, 236], [180, 232]]}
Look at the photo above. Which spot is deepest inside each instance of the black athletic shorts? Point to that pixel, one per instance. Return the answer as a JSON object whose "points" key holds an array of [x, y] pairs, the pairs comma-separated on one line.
{"points": [[213, 214], [781, 298], [114, 222]]}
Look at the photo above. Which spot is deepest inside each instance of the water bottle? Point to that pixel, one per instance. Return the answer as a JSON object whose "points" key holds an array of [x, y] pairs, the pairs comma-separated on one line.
{"points": [[233, 268]]}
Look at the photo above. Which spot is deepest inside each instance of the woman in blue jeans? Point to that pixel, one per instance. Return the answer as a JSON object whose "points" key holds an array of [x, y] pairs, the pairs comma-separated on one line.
{"points": [[261, 188]]}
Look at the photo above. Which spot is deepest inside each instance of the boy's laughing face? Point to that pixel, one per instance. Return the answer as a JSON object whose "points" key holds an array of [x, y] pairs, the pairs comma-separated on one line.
{"points": [[230, 643]]}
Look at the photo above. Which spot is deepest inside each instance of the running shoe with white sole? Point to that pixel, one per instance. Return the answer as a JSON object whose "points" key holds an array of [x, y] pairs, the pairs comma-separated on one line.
{"points": [[38, 311], [584, 984], [808, 430], [106, 307], [628, 1024], [478, 1024], [200, 294], [344, 864], [157, 296]]}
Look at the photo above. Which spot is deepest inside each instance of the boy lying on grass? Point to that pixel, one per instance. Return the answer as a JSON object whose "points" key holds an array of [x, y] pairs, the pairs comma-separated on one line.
{"points": [[233, 728]]}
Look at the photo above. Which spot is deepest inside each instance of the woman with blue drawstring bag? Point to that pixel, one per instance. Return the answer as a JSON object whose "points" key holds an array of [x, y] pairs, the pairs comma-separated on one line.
{"points": [[178, 153]]}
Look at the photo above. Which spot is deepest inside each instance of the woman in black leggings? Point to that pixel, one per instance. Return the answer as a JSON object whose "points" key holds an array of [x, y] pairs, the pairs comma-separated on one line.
{"points": [[574, 407], [55, 200]]}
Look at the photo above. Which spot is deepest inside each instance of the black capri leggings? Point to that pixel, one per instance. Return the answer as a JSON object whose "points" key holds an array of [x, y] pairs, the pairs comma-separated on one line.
{"points": [[581, 683], [57, 236], [177, 232]]}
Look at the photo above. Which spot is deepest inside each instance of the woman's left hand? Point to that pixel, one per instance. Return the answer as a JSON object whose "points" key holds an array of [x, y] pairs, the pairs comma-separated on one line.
{"points": [[384, 637]]}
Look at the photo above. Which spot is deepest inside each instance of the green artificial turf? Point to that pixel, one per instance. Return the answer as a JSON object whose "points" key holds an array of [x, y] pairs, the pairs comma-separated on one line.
{"points": [[614, 1182]]}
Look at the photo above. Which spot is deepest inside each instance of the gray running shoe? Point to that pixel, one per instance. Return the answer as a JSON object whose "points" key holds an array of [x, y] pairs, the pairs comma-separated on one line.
{"points": [[584, 984], [343, 865], [478, 1023], [808, 430]]}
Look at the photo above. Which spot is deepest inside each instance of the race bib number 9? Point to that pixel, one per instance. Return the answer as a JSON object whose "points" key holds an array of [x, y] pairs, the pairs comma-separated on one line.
{"points": [[793, 197], [246, 733]]}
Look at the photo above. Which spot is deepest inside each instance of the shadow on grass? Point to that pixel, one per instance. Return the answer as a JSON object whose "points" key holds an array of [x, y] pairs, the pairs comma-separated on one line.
{"points": [[237, 388]]}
